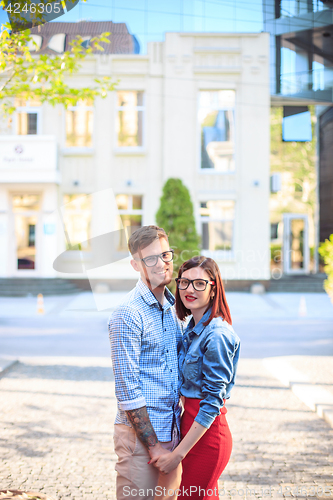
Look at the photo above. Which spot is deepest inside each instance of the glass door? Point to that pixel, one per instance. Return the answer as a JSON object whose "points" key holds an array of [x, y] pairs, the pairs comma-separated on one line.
{"points": [[296, 251], [25, 235], [26, 213]]}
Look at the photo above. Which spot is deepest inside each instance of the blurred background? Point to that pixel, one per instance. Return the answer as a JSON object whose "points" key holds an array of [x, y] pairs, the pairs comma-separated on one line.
{"points": [[217, 126], [213, 119], [230, 102]]}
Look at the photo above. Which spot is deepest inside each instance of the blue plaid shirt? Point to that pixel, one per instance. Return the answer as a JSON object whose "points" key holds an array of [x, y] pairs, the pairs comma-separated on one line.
{"points": [[144, 337]]}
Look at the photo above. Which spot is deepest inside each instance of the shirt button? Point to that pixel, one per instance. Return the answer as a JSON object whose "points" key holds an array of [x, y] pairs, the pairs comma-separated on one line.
{"points": [[171, 370]]}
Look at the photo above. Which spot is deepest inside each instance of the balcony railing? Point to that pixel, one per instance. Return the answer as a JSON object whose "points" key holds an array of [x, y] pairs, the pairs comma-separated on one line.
{"points": [[295, 8], [305, 81]]}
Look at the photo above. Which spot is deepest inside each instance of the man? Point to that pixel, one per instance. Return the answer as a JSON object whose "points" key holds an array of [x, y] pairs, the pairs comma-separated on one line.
{"points": [[144, 333]]}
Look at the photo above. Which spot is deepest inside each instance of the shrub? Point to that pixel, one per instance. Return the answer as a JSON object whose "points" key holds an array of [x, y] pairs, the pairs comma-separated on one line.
{"points": [[175, 215], [326, 252], [276, 252]]}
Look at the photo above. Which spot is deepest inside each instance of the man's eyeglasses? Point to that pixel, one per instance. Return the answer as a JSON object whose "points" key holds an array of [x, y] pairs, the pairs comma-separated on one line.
{"points": [[152, 260], [198, 285]]}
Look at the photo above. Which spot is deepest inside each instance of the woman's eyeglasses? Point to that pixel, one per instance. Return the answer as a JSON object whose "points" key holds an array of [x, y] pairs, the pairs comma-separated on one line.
{"points": [[198, 285]]}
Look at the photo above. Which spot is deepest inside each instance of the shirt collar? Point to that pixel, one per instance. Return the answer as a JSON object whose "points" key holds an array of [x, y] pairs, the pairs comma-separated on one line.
{"points": [[150, 298], [199, 328]]}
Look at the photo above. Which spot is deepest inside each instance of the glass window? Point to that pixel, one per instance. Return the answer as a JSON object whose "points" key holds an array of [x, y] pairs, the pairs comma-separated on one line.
{"points": [[79, 125], [130, 110], [291, 8], [27, 117], [26, 123], [216, 118], [77, 219], [274, 231], [217, 224], [26, 202], [130, 211]]}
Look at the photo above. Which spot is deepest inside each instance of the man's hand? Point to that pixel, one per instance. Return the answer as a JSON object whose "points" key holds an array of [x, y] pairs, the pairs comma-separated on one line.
{"points": [[167, 462], [157, 451]]}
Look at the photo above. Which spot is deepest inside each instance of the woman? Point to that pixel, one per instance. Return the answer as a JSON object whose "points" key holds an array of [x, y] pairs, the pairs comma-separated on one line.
{"points": [[207, 360]]}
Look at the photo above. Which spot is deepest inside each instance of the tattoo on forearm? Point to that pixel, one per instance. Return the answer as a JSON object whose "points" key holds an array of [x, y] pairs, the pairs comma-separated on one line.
{"points": [[139, 419]]}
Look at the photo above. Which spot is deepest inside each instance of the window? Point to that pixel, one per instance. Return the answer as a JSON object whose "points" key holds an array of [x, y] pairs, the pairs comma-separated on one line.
{"points": [[27, 117], [130, 111], [79, 125], [35, 43], [57, 43], [274, 231], [216, 118], [76, 214], [217, 223], [130, 211]]}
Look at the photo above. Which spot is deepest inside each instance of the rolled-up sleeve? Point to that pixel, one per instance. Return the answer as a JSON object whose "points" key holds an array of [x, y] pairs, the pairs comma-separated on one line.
{"points": [[218, 371], [125, 330]]}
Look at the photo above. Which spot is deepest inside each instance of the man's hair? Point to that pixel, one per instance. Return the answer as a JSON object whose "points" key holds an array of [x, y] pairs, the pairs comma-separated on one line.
{"points": [[144, 236]]}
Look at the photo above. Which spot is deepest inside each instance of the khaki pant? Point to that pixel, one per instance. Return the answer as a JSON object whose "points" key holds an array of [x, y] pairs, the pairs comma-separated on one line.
{"points": [[135, 478]]}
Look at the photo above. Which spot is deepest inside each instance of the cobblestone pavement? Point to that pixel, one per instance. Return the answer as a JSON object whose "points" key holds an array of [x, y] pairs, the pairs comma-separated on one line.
{"points": [[56, 433]]}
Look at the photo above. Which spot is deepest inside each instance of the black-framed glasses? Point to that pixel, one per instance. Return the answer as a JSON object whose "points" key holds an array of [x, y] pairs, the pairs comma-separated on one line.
{"points": [[198, 285], [152, 260]]}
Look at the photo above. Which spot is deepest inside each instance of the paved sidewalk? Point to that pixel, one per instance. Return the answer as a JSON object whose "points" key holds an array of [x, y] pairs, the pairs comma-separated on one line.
{"points": [[310, 378], [57, 417]]}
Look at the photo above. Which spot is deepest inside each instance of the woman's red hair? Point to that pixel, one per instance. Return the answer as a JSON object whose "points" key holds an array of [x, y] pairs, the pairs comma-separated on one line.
{"points": [[218, 303]]}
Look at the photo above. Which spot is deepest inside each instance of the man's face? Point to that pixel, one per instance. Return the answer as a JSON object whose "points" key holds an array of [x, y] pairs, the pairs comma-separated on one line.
{"points": [[161, 273]]}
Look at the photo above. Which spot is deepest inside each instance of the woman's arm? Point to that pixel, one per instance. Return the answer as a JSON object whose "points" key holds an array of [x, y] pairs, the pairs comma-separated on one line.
{"points": [[167, 463]]}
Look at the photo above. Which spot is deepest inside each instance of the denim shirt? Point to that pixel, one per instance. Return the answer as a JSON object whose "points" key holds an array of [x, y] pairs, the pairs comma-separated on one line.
{"points": [[208, 360]]}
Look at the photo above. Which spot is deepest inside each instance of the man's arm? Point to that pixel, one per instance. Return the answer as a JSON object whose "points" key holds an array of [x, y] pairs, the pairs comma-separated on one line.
{"points": [[140, 422], [125, 327]]}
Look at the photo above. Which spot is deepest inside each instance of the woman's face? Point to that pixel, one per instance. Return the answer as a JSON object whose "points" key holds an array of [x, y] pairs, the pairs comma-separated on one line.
{"points": [[192, 299]]}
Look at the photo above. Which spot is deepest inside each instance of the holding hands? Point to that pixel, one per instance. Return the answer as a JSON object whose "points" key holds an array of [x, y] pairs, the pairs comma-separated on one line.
{"points": [[167, 462]]}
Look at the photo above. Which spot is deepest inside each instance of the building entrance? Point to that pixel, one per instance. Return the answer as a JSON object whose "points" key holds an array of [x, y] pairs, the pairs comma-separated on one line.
{"points": [[26, 224], [296, 251]]}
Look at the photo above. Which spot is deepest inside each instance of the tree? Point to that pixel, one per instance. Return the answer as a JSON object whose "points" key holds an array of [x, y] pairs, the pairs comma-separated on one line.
{"points": [[34, 76], [176, 217], [297, 160]]}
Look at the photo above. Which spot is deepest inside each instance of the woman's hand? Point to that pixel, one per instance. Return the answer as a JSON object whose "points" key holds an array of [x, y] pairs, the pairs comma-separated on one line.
{"points": [[167, 463]]}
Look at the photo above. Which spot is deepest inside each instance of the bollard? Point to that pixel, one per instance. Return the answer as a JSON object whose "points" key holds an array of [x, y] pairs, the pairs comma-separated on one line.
{"points": [[40, 304]]}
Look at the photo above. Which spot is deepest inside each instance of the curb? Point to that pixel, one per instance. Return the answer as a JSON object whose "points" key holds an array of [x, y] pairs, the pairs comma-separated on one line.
{"points": [[6, 365], [316, 397]]}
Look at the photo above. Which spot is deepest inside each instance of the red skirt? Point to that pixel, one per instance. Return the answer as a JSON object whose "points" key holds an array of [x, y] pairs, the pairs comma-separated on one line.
{"points": [[206, 461]]}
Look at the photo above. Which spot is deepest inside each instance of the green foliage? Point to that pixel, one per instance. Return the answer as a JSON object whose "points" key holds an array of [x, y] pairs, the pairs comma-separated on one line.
{"points": [[276, 252], [176, 216], [297, 158], [33, 76], [326, 252]]}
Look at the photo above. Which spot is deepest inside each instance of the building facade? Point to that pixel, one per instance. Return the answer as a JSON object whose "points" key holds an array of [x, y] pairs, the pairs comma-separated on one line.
{"points": [[301, 74], [196, 107]]}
